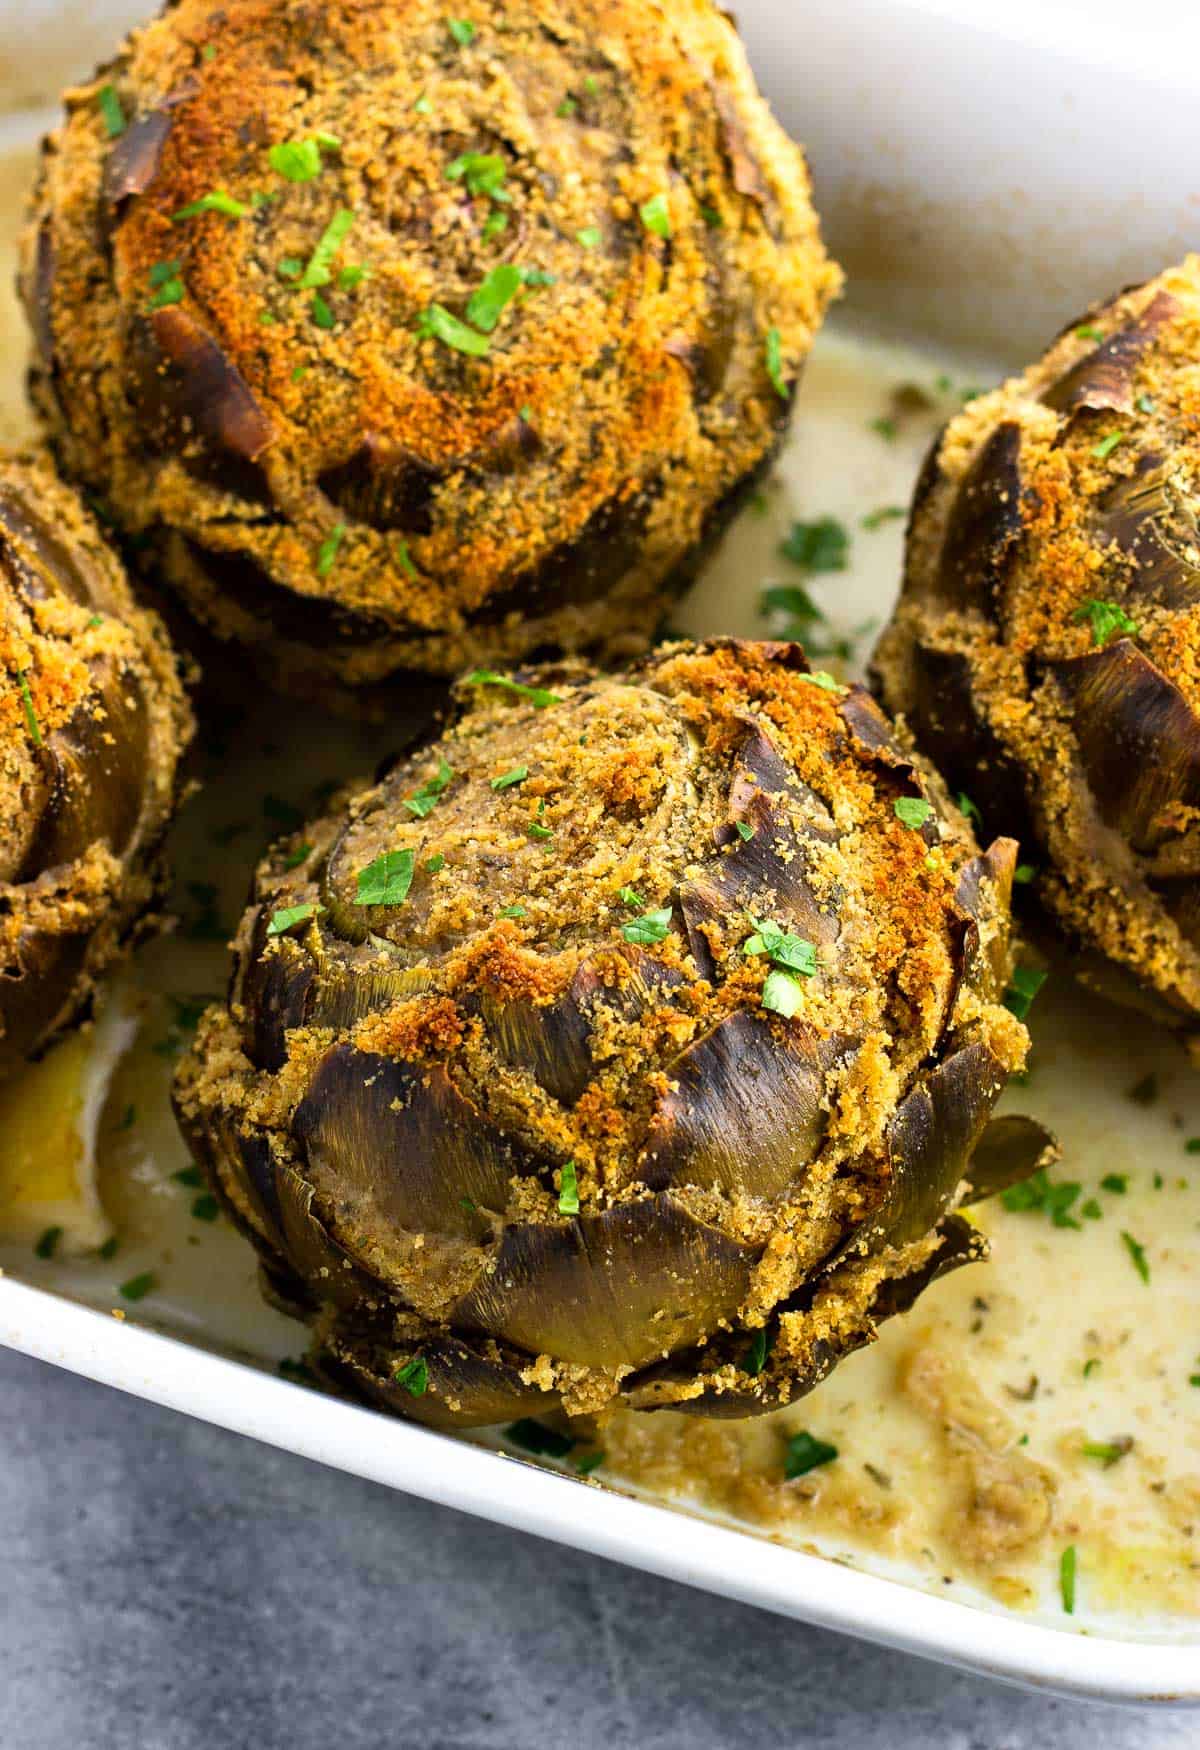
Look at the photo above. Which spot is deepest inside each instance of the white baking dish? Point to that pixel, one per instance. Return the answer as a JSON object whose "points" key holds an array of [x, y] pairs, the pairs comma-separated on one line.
{"points": [[974, 186]]}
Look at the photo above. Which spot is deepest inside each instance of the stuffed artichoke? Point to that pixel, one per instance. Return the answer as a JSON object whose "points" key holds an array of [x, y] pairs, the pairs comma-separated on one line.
{"points": [[1046, 648], [93, 722], [410, 340], [635, 1040]]}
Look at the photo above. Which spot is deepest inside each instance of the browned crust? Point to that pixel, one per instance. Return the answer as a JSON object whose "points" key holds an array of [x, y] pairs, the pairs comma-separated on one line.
{"points": [[93, 722], [421, 1072], [550, 494], [1075, 483]]}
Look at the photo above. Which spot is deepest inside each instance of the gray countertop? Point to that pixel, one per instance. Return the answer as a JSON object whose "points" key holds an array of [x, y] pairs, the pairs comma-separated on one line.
{"points": [[167, 1586]]}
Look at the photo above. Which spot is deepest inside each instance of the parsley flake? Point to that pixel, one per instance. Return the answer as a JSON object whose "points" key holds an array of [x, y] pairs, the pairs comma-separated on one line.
{"points": [[168, 286], [1026, 982], [320, 312], [506, 781], [32, 725], [462, 30], [437, 323], [805, 1453], [48, 1243], [288, 916], [589, 236], [1088, 332], [782, 993], [489, 300], [655, 215], [111, 110], [822, 678], [568, 1195], [1108, 1452], [885, 428], [1107, 618], [327, 552], [912, 811], [296, 160], [1067, 1569], [495, 224], [589, 1462], [1107, 445], [216, 201], [630, 897], [514, 911], [538, 697], [782, 948], [1117, 1183], [887, 513], [206, 1207], [301, 854], [773, 358], [413, 1376], [1145, 404], [1137, 1254], [483, 173], [651, 927], [404, 558], [535, 1437], [319, 271], [819, 546], [138, 1287], [744, 830], [423, 801], [387, 880]]}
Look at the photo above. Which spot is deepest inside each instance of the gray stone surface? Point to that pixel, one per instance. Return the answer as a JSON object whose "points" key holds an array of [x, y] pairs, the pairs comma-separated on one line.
{"points": [[170, 1587]]}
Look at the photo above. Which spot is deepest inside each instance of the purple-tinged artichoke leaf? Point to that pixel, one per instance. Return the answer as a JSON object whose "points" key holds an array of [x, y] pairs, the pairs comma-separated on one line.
{"points": [[1103, 380], [464, 1389], [744, 1112], [620, 1288], [984, 528], [1154, 525], [399, 1146], [1010, 1149]]}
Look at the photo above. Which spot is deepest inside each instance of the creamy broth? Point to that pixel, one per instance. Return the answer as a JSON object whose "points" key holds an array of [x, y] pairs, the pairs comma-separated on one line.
{"points": [[1037, 1402]]}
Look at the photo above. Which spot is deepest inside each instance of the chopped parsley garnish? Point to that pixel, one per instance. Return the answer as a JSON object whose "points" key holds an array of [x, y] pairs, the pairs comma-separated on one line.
{"points": [[589, 1462], [568, 1195], [1088, 332], [319, 271], [514, 911], [1192, 1145], [482, 172], [48, 1243], [821, 678], [488, 301], [712, 218], [567, 107], [782, 993], [206, 1207], [462, 30], [31, 723], [651, 927], [790, 598], [793, 953], [912, 811], [969, 808], [192, 1177], [819, 546], [404, 558], [1137, 1254], [744, 830], [284, 814], [495, 224], [423, 801], [352, 276], [542, 833], [138, 1287], [589, 236], [1067, 1567], [1024, 873], [1090, 1366], [1108, 1452], [1117, 1183], [298, 1371], [885, 428], [290, 268], [1107, 445], [655, 215], [628, 896], [755, 1358], [506, 781], [320, 312], [217, 201], [1039, 1193], [773, 359], [300, 855], [168, 286], [109, 1248], [805, 1453], [537, 276], [413, 1376], [1145, 404], [538, 697], [1091, 1210], [437, 323], [1026, 982], [435, 863], [535, 1437], [110, 108], [288, 916], [387, 880], [296, 160], [1107, 620], [887, 513], [327, 552]]}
